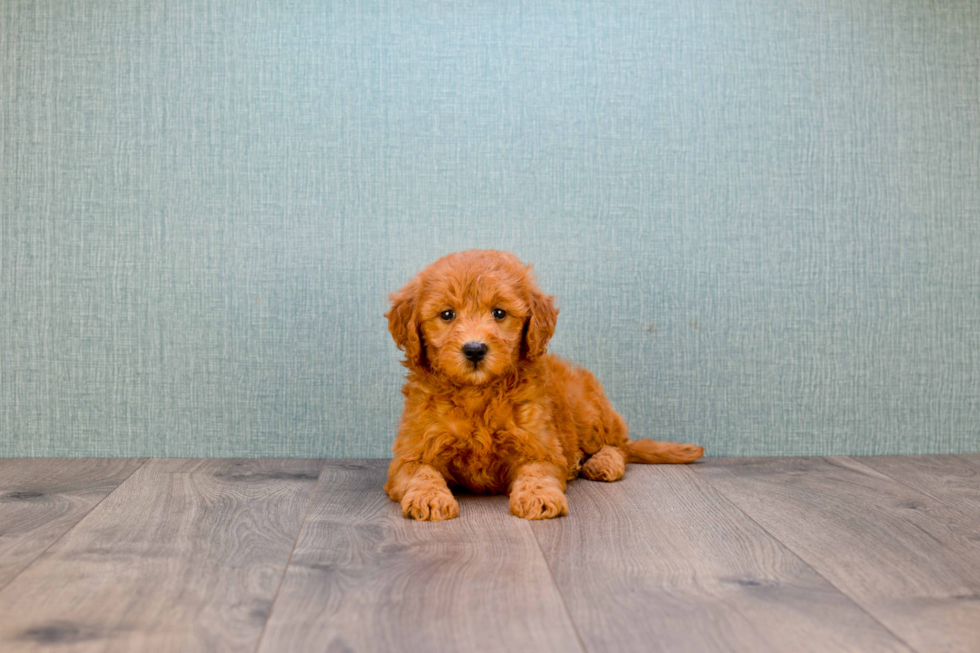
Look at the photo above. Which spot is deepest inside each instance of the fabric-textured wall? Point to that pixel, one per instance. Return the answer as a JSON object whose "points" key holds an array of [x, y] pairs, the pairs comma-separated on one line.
{"points": [[761, 219]]}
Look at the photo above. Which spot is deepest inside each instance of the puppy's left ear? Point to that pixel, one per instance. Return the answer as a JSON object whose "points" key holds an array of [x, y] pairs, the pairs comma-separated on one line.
{"points": [[403, 323], [540, 324]]}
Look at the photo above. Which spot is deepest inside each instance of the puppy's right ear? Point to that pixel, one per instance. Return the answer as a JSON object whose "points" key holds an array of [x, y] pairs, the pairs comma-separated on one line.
{"points": [[403, 323]]}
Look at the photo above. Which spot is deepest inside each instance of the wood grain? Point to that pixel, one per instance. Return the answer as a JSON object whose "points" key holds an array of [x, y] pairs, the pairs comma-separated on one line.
{"points": [[364, 578], [730, 555], [909, 560], [41, 498], [661, 562], [954, 480], [186, 555]]}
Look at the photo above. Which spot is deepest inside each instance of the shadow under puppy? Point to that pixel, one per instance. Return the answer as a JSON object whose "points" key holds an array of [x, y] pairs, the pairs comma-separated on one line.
{"points": [[486, 408]]}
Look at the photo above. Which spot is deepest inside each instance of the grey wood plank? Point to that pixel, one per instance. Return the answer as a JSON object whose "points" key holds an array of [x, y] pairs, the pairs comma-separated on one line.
{"points": [[952, 479], [364, 578], [661, 562], [41, 498], [908, 559], [186, 555], [972, 458]]}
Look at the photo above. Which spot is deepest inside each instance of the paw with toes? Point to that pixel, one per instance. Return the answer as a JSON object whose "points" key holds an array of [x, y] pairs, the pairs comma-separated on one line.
{"points": [[539, 503], [608, 464], [428, 505]]}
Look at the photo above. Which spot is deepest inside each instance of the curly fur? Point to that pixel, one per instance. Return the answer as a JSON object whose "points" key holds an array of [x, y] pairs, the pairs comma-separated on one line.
{"points": [[521, 421]]}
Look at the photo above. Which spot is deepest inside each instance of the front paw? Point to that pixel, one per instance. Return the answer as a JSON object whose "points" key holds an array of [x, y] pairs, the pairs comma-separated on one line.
{"points": [[538, 502], [428, 504]]}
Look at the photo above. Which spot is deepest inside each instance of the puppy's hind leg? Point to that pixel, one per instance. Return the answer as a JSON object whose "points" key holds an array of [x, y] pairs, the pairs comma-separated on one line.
{"points": [[607, 464]]}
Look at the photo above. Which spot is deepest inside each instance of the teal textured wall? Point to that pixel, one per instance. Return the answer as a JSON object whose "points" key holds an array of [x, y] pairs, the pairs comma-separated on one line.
{"points": [[761, 219]]}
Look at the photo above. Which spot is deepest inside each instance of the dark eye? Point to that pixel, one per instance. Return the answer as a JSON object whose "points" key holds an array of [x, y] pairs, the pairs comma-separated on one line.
{"points": [[499, 313], [447, 315]]}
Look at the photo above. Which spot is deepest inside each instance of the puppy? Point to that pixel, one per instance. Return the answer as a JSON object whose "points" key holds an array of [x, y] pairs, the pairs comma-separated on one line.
{"points": [[486, 408]]}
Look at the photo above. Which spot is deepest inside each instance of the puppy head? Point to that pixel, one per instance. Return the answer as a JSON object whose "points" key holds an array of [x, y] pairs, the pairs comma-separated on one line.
{"points": [[472, 317]]}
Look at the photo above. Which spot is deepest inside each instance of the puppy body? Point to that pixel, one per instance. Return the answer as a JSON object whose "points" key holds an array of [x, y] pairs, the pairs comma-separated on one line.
{"points": [[486, 408]]}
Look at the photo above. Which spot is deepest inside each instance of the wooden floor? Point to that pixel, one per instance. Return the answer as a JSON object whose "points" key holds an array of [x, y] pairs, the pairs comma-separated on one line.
{"points": [[787, 554]]}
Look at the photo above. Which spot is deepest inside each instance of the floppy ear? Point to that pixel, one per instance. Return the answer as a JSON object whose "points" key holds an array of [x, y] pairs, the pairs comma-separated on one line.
{"points": [[540, 324], [403, 323]]}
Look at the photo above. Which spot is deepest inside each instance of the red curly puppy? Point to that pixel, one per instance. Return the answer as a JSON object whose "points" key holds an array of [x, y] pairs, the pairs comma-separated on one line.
{"points": [[486, 408]]}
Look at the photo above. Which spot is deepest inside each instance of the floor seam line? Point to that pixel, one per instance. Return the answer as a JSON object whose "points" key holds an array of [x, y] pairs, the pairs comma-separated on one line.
{"points": [[289, 560], [805, 562], [554, 583], [74, 526], [911, 487]]}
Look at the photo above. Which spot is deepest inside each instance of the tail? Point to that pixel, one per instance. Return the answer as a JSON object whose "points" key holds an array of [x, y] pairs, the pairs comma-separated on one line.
{"points": [[650, 451]]}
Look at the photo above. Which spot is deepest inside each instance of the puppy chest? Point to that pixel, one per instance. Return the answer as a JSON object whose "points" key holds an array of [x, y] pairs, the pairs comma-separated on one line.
{"points": [[475, 427], [476, 437]]}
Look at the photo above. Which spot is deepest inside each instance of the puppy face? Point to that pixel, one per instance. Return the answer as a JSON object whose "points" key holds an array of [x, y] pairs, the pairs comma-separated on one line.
{"points": [[472, 327], [472, 317]]}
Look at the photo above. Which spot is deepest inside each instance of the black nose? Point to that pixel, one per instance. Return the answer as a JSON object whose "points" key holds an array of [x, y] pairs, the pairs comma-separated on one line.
{"points": [[474, 351]]}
